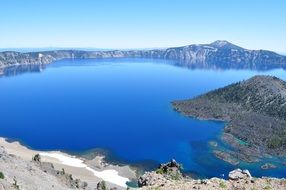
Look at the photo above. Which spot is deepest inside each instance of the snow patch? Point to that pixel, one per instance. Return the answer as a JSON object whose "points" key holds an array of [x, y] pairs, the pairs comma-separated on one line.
{"points": [[111, 176]]}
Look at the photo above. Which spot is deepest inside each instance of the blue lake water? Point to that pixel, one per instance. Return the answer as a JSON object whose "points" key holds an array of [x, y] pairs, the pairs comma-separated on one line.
{"points": [[119, 104]]}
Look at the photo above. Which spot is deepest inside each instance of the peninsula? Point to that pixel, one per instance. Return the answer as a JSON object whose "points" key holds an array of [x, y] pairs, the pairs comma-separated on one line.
{"points": [[255, 114]]}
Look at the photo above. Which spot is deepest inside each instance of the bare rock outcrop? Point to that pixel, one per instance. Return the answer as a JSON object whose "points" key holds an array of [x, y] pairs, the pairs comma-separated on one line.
{"points": [[238, 180], [170, 170], [239, 174]]}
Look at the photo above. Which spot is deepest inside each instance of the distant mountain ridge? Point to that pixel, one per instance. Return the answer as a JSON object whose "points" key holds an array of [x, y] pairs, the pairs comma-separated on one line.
{"points": [[219, 54]]}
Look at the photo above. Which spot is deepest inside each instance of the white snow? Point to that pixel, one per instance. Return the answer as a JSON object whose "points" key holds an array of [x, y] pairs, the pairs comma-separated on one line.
{"points": [[66, 160], [111, 176]]}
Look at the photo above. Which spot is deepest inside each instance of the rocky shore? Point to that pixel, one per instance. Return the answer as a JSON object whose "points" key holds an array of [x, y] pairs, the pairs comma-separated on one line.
{"points": [[42, 172], [163, 179]]}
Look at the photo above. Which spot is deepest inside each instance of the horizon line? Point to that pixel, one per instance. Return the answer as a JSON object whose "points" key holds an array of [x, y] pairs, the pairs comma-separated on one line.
{"points": [[46, 48]]}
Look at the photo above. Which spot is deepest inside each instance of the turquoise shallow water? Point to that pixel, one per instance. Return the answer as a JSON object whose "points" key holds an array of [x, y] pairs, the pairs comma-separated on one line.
{"points": [[119, 104]]}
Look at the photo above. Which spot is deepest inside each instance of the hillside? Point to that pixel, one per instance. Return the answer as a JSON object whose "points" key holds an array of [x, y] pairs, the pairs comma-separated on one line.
{"points": [[24, 168], [17, 172], [168, 177], [219, 54], [255, 111]]}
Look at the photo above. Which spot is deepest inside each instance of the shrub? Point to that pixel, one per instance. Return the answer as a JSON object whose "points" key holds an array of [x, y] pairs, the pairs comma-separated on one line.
{"points": [[160, 171], [37, 158], [222, 185], [1, 175], [275, 143], [101, 186]]}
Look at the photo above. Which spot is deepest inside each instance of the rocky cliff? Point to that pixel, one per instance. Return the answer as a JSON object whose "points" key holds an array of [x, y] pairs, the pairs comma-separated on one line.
{"points": [[255, 111], [219, 54], [164, 179]]}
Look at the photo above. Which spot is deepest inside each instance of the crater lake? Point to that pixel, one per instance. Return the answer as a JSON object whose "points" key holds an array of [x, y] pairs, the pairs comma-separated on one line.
{"points": [[120, 105]]}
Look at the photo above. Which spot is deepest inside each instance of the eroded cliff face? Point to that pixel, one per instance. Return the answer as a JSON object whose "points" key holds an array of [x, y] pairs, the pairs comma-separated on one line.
{"points": [[219, 54]]}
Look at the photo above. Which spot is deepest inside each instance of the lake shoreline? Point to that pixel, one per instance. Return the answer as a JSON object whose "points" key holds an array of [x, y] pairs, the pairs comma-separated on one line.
{"points": [[90, 171], [246, 128], [79, 105]]}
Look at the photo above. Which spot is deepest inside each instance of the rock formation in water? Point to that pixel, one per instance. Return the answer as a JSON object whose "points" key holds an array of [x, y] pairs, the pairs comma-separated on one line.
{"points": [[219, 54], [255, 111], [237, 180]]}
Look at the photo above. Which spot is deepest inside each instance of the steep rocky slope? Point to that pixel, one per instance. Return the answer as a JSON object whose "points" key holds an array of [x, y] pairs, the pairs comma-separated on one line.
{"points": [[255, 111], [164, 179], [219, 54], [24, 168], [20, 174]]}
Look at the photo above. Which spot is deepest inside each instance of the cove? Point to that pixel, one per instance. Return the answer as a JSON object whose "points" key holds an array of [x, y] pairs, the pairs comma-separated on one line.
{"points": [[118, 104]]}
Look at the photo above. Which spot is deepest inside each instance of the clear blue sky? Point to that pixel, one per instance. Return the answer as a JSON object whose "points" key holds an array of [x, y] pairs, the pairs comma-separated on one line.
{"points": [[254, 24]]}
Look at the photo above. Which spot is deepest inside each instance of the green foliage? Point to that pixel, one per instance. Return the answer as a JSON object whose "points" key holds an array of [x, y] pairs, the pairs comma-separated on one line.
{"points": [[277, 141], [37, 158], [222, 185], [176, 176], [267, 187], [274, 143], [101, 185], [2, 175], [250, 98], [160, 171]]}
